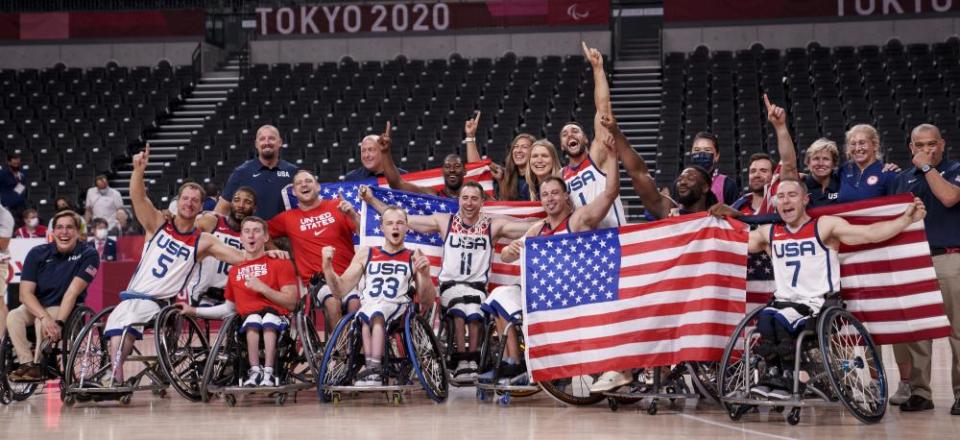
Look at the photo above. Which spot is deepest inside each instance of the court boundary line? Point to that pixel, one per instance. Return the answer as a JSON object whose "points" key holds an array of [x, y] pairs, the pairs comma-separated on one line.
{"points": [[737, 428]]}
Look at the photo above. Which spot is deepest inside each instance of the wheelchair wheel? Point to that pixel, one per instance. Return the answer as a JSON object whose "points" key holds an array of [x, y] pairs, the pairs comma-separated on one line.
{"points": [[853, 364], [79, 317], [309, 339], [704, 378], [425, 353], [222, 367], [14, 391], [89, 358], [182, 351], [342, 357], [491, 347], [573, 391], [734, 376], [499, 348]]}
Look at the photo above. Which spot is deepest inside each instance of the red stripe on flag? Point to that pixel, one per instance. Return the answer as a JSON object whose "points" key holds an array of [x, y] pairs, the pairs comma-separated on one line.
{"points": [[704, 354], [666, 309], [689, 283], [908, 237], [685, 259], [894, 291], [908, 336], [907, 314], [655, 334], [682, 240], [861, 205], [885, 266]]}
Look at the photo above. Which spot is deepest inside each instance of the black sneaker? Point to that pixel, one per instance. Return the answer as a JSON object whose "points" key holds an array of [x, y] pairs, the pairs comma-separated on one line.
{"points": [[955, 409], [916, 403]]}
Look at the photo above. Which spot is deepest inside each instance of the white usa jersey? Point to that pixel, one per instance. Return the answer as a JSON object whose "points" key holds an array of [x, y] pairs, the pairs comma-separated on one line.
{"points": [[586, 182], [211, 273], [166, 263], [388, 277], [804, 268], [467, 251]]}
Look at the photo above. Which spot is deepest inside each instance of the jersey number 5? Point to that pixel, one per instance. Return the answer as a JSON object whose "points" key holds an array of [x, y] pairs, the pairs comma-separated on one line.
{"points": [[162, 268]]}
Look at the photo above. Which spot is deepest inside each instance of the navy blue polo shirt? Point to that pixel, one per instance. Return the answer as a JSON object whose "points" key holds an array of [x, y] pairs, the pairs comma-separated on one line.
{"points": [[364, 174], [820, 196], [267, 182], [942, 223], [872, 182], [53, 272]]}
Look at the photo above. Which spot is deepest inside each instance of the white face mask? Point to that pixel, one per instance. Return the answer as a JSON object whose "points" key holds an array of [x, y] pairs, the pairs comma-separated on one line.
{"points": [[32, 222], [101, 234]]}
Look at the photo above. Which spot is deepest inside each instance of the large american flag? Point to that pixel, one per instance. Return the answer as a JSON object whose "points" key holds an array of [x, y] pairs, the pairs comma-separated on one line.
{"points": [[636, 296], [890, 286], [432, 244]]}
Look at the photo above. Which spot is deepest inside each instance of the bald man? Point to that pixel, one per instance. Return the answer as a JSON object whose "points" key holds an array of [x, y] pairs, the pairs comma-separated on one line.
{"points": [[372, 160], [266, 174]]}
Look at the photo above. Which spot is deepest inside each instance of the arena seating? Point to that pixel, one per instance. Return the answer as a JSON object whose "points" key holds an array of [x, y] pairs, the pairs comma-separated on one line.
{"points": [[324, 110], [70, 124], [825, 91]]}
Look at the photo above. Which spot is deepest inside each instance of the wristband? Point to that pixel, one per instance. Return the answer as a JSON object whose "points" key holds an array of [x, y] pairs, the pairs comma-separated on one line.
{"points": [[469, 139]]}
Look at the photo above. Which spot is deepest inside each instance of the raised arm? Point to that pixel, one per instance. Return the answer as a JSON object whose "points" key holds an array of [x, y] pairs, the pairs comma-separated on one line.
{"points": [[211, 246], [777, 117], [511, 228], [149, 216], [759, 239], [511, 253], [470, 138], [425, 288], [590, 215], [390, 170], [421, 223], [837, 229], [341, 284], [601, 100]]}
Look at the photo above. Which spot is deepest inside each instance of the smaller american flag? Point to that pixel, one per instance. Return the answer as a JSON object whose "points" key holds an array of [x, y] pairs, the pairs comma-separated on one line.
{"points": [[91, 270], [568, 271]]}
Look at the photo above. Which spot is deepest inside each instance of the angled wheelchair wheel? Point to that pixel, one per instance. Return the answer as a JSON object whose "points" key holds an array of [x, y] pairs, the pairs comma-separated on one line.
{"points": [[89, 359], [736, 372], [574, 391], [425, 353], [342, 357], [182, 351], [14, 391], [222, 367], [309, 338], [79, 318], [704, 378], [853, 365]]}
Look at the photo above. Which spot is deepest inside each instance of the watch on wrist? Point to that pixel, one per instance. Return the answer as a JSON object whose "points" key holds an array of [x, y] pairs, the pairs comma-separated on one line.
{"points": [[926, 168]]}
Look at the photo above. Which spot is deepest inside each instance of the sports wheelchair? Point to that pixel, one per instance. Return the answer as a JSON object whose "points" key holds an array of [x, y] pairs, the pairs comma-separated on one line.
{"points": [[412, 354], [836, 363], [227, 365], [181, 352], [686, 381], [53, 358]]}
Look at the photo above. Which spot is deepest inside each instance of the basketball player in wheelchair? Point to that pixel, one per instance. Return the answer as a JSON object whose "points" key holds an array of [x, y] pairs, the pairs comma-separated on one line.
{"points": [[804, 254]]}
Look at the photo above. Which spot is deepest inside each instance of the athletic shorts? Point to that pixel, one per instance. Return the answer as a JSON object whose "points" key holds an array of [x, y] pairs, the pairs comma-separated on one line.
{"points": [[387, 309], [463, 301], [265, 320], [505, 301], [129, 312], [325, 293]]}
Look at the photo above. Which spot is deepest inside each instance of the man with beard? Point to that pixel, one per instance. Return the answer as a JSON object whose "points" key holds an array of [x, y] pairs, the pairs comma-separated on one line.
{"points": [[468, 247], [583, 174], [763, 177], [210, 278], [562, 217], [314, 224], [453, 172], [266, 174]]}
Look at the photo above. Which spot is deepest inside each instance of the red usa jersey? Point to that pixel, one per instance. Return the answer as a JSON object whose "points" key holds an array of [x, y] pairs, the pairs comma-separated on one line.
{"points": [[586, 182], [310, 230], [804, 268], [467, 251], [562, 228], [273, 272], [387, 277], [166, 263], [212, 273]]}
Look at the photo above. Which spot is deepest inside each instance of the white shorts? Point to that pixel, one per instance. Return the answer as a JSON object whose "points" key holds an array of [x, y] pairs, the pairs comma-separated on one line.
{"points": [[261, 321], [461, 300], [325, 293], [387, 309], [505, 301], [129, 312]]}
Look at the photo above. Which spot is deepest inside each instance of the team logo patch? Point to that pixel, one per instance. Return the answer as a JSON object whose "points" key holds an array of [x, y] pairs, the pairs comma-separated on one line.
{"points": [[872, 180], [90, 270]]}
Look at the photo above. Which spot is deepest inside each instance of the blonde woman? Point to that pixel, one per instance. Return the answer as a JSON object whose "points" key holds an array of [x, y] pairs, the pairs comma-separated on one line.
{"points": [[544, 162], [822, 180], [863, 175]]}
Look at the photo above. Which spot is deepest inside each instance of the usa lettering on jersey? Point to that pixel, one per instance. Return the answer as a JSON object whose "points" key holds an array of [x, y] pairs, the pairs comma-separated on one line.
{"points": [[166, 264], [467, 251], [388, 277]]}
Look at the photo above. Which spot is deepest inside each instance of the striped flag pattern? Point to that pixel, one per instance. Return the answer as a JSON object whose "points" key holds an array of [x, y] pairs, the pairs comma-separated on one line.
{"points": [[891, 286], [432, 244], [636, 296]]}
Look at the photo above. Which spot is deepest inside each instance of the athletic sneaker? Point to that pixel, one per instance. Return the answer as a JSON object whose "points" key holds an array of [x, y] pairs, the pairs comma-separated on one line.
{"points": [[903, 393], [268, 379], [761, 390], [610, 380], [368, 377], [464, 372], [487, 376], [521, 379], [779, 394], [253, 377], [472, 367]]}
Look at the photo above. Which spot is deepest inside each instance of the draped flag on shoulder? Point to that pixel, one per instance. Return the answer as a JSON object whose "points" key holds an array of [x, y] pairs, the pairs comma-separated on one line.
{"points": [[890, 286], [476, 171], [432, 244], [636, 296]]}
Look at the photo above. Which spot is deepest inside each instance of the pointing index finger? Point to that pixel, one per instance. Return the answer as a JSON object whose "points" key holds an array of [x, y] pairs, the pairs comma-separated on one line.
{"points": [[766, 101]]}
